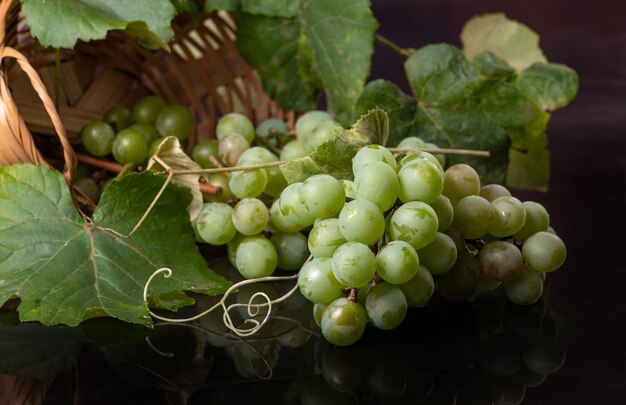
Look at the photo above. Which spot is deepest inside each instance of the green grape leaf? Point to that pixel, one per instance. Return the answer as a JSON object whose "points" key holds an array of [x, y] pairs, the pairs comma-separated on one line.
{"points": [[326, 46], [510, 40], [372, 127], [299, 169], [400, 108], [530, 168], [227, 5], [171, 153], [549, 85], [61, 23], [269, 8], [66, 269]]}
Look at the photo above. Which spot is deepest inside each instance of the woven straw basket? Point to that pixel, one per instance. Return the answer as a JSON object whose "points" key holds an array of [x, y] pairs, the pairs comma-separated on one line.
{"points": [[203, 71]]}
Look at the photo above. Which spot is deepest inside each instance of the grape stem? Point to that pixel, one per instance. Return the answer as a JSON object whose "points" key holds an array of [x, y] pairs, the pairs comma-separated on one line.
{"points": [[403, 52], [267, 144], [353, 295]]}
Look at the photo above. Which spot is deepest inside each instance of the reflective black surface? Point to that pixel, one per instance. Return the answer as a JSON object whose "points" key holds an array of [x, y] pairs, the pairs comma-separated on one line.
{"points": [[568, 349]]}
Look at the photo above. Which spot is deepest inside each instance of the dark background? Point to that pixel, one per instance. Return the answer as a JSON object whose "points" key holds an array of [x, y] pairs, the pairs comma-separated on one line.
{"points": [[587, 195]]}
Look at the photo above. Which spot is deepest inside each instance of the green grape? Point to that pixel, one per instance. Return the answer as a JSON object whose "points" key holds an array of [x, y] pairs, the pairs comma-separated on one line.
{"points": [[325, 130], [318, 312], [414, 222], [378, 183], [147, 130], [412, 142], [420, 180], [270, 128], [323, 196], [386, 306], [500, 260], [353, 264], [231, 147], [292, 249], [473, 217], [343, 322], [461, 281], [325, 238], [130, 147], [98, 138], [88, 187], [492, 191], [294, 149], [292, 206], [397, 262], [148, 108], [317, 282], [419, 155], [214, 223], [280, 221], [175, 120], [525, 288], [445, 212], [235, 123], [440, 255], [250, 216], [256, 257], [460, 181], [348, 188], [537, 220], [256, 155], [439, 156], [308, 123], [248, 183], [219, 180], [154, 146], [373, 153], [488, 284], [231, 248], [276, 182], [118, 117], [510, 216], [420, 288], [544, 251], [361, 221], [203, 151]]}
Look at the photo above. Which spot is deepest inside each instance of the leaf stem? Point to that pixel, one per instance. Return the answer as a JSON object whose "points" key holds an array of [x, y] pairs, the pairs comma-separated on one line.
{"points": [[403, 52], [443, 151], [235, 168]]}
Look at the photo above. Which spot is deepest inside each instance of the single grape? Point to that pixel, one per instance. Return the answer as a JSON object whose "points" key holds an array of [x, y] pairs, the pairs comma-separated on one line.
{"points": [[544, 251], [308, 123], [378, 183], [412, 142], [231, 248], [325, 238], [420, 288], [270, 128], [386, 306], [473, 217], [130, 147], [276, 182], [317, 282], [118, 117], [256, 257], [231, 147], [461, 281], [175, 120], [248, 183], [98, 138], [219, 180], [525, 288], [325, 131], [420, 155], [440, 255], [343, 322], [235, 123], [445, 212], [500, 260], [148, 130], [348, 188], [353, 264], [280, 221], [361, 221], [510, 216], [460, 181], [154, 147], [492, 191], [294, 149], [397, 262], [203, 151], [537, 220], [318, 311], [256, 155], [292, 249], [439, 156], [148, 108], [488, 284], [250, 216], [292, 206], [88, 187], [420, 180], [414, 222], [373, 153], [323, 196], [214, 223]]}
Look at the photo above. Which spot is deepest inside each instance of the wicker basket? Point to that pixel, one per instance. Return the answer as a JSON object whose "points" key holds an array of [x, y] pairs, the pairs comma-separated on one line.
{"points": [[203, 71]]}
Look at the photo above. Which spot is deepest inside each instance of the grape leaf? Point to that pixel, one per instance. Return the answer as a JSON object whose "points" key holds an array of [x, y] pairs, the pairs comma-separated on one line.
{"points": [[326, 46], [510, 40], [227, 5], [61, 23], [372, 127], [66, 269], [170, 152], [549, 85]]}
